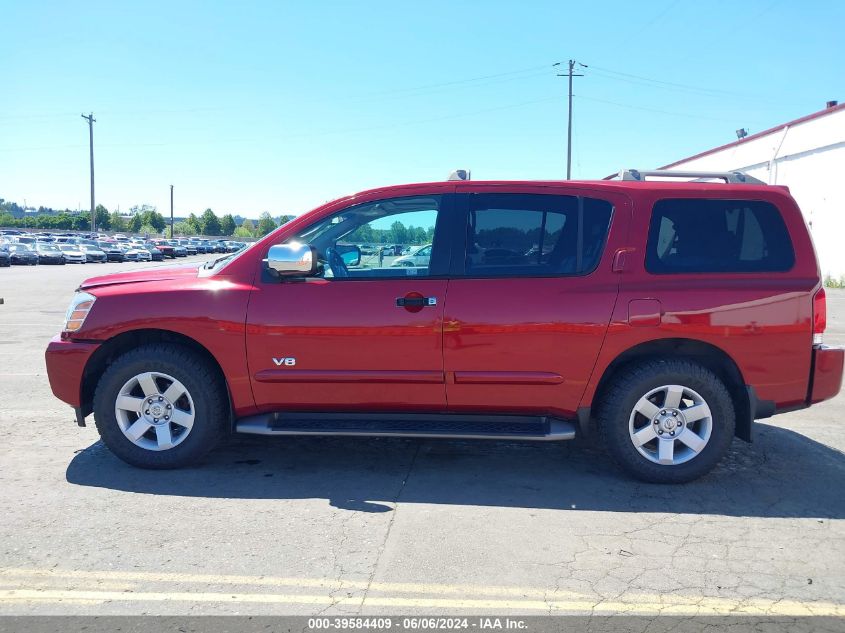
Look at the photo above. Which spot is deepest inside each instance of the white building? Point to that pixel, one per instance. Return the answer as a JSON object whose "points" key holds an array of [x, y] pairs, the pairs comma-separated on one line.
{"points": [[808, 156]]}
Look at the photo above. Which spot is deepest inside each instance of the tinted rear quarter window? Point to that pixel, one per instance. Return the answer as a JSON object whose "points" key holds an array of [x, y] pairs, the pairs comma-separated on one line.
{"points": [[717, 236]]}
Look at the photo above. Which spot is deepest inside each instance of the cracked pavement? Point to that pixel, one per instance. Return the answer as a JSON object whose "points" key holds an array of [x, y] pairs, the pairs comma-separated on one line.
{"points": [[348, 526]]}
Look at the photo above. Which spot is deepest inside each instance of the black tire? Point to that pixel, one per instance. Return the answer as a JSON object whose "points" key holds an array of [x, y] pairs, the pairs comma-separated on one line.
{"points": [[617, 402], [202, 380]]}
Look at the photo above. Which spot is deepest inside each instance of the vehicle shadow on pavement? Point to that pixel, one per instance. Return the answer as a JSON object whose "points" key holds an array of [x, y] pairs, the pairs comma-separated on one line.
{"points": [[783, 474]]}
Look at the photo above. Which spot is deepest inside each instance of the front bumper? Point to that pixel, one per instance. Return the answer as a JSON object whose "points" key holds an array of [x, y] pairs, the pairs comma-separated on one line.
{"points": [[66, 362], [828, 365]]}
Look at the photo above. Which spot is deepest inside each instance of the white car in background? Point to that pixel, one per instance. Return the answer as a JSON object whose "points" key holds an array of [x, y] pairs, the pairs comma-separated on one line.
{"points": [[135, 254], [419, 257], [72, 254], [143, 254]]}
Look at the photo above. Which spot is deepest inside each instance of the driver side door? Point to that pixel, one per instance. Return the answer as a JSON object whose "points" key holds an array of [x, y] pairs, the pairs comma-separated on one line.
{"points": [[367, 339]]}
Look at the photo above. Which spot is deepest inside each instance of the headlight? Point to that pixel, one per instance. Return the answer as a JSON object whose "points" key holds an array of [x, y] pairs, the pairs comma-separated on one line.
{"points": [[79, 308]]}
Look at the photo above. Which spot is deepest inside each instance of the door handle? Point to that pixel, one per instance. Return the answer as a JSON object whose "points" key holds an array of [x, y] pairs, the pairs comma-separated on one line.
{"points": [[415, 302]]}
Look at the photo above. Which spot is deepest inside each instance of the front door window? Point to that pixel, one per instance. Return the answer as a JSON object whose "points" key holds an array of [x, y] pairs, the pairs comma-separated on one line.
{"points": [[388, 238]]}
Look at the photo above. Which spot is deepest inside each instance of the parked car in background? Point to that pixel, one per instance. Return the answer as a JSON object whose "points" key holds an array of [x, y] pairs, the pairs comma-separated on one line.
{"points": [[143, 254], [419, 256], [5, 258], [72, 253], [166, 249], [178, 249], [189, 246], [48, 253], [155, 254], [113, 252], [129, 253], [22, 254], [93, 253]]}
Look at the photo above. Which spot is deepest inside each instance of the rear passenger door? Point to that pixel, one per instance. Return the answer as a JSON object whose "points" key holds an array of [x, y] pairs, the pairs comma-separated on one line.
{"points": [[530, 298]]}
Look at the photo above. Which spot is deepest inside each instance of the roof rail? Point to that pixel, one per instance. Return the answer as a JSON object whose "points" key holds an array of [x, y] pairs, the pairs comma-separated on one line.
{"points": [[730, 177]]}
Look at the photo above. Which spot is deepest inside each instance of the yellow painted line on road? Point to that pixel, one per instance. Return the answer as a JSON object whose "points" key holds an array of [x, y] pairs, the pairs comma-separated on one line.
{"points": [[55, 583], [704, 606], [274, 581], [33, 585]]}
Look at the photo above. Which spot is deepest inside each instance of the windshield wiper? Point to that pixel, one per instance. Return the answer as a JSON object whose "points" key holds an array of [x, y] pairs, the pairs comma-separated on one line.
{"points": [[213, 263]]}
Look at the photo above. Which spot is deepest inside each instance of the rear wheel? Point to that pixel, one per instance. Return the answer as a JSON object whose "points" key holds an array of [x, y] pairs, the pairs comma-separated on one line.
{"points": [[667, 421], [161, 407]]}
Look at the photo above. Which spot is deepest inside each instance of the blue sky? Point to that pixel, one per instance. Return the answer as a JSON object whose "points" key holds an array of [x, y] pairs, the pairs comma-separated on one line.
{"points": [[279, 106]]}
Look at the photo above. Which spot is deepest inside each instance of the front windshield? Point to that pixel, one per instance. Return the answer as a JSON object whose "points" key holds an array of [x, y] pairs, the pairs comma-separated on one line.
{"points": [[19, 247], [67, 247]]}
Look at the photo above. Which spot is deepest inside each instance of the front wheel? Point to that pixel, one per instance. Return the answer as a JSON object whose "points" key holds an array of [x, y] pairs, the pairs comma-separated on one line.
{"points": [[666, 421], [161, 406]]}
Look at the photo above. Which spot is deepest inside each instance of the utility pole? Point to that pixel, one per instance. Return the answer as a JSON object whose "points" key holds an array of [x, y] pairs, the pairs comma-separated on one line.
{"points": [[570, 74], [171, 212], [90, 118]]}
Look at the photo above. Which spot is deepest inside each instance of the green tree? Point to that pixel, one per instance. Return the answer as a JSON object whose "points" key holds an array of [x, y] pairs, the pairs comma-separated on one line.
{"points": [[265, 224], [148, 229], [103, 219], [399, 233], [81, 222], [181, 228], [246, 229], [210, 223], [227, 224], [116, 223], [193, 225], [150, 216], [134, 224]]}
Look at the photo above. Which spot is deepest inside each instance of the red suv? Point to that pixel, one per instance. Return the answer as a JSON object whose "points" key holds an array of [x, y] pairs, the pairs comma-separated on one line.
{"points": [[666, 315]]}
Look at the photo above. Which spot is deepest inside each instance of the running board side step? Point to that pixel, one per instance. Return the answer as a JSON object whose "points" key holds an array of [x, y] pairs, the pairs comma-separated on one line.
{"points": [[492, 427]]}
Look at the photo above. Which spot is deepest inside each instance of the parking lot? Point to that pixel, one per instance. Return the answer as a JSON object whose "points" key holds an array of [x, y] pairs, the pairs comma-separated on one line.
{"points": [[336, 525]]}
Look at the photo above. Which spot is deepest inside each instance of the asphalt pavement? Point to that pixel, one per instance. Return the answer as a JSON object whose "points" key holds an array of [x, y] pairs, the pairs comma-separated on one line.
{"points": [[378, 526]]}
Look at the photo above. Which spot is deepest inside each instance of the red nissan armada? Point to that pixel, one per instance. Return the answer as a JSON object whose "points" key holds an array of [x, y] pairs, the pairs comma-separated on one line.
{"points": [[666, 315]]}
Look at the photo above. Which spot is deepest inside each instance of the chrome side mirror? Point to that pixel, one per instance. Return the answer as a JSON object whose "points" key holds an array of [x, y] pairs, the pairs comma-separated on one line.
{"points": [[292, 260]]}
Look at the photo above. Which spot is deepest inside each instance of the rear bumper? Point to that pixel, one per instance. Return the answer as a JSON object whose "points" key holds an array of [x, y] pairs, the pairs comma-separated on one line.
{"points": [[826, 380], [66, 362]]}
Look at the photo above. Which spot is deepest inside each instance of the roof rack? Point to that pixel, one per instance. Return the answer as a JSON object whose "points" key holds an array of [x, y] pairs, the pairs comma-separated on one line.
{"points": [[730, 177]]}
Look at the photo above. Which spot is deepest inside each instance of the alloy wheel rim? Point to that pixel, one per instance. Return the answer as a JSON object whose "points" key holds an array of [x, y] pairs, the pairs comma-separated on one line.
{"points": [[670, 425], [154, 411]]}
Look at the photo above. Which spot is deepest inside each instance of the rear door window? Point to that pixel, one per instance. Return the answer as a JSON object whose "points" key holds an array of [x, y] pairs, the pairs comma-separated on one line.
{"points": [[717, 236], [534, 235]]}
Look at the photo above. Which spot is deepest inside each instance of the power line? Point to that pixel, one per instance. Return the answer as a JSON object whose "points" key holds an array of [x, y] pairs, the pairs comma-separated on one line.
{"points": [[459, 81], [644, 109], [668, 84], [371, 128]]}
